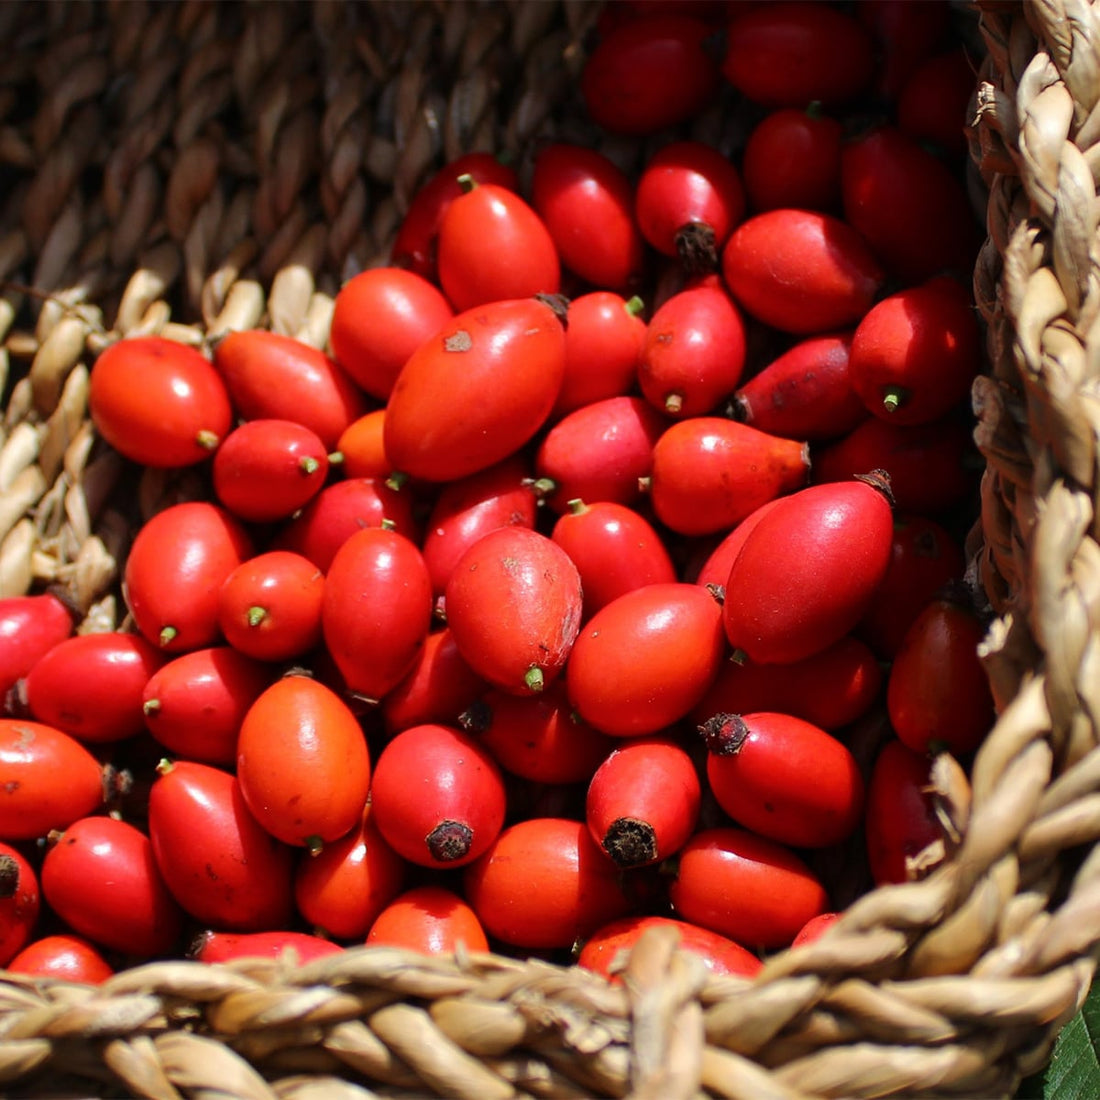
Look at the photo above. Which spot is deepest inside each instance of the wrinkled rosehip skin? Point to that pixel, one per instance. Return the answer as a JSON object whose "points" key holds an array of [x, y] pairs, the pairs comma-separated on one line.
{"points": [[651, 781], [600, 451], [604, 338], [544, 883], [158, 402], [615, 550], [538, 737], [194, 705], [649, 73], [19, 903], [30, 626], [343, 888], [430, 919], [495, 221], [220, 865], [430, 775], [751, 889], [303, 763], [924, 557], [795, 53], [339, 511], [801, 271], [469, 508], [216, 946], [476, 391], [694, 351], [288, 589], [102, 880], [645, 659], [414, 246], [710, 473], [586, 203], [379, 318], [376, 610], [804, 393], [808, 571], [831, 689], [721, 955], [268, 469], [688, 185], [63, 956], [938, 693], [514, 606], [47, 780], [792, 160], [788, 780], [900, 820], [272, 376], [90, 686], [438, 688], [175, 569]]}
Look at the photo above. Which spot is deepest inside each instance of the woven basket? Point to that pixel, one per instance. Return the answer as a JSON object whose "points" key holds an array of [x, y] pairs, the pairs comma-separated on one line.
{"points": [[190, 168]]}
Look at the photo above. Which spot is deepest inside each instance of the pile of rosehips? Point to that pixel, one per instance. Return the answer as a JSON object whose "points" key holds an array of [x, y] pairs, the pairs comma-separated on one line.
{"points": [[545, 602]]}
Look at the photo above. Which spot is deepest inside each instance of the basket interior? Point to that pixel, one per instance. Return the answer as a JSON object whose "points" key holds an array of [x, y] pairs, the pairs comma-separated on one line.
{"points": [[192, 168]]}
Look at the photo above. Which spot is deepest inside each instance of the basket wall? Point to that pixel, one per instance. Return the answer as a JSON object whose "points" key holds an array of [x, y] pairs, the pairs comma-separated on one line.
{"points": [[189, 168]]}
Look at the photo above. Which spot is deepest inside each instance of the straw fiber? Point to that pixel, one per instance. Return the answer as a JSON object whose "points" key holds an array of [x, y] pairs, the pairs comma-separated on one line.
{"points": [[191, 168]]}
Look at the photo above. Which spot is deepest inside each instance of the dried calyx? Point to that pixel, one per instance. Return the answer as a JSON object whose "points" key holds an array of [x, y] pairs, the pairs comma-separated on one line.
{"points": [[449, 840], [724, 734], [630, 842], [9, 876]]}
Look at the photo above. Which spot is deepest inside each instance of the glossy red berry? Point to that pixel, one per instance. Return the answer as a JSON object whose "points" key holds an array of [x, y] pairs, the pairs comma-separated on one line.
{"points": [[808, 570], [643, 801], [437, 796], [649, 73], [687, 201]]}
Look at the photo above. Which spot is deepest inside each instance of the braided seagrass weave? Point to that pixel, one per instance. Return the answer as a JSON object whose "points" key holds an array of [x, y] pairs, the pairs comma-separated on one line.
{"points": [[190, 168]]}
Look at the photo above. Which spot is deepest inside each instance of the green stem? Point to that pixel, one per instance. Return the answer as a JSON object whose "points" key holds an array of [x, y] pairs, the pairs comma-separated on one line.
{"points": [[894, 397]]}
